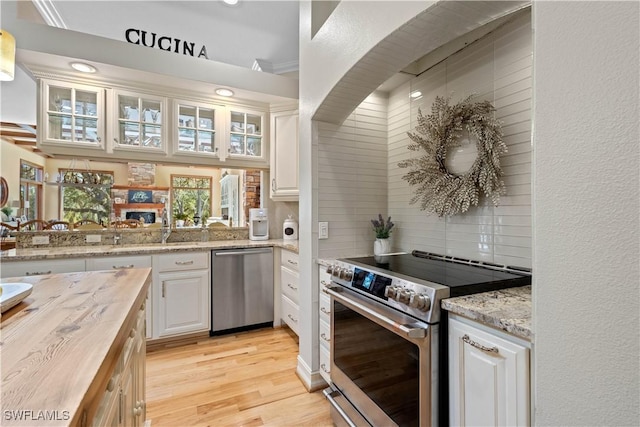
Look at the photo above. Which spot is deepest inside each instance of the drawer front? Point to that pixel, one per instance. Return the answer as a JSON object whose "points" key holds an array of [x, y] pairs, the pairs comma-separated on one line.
{"points": [[290, 260], [325, 307], [183, 261], [325, 364], [118, 262], [289, 281], [325, 334], [36, 268], [289, 313], [325, 278]]}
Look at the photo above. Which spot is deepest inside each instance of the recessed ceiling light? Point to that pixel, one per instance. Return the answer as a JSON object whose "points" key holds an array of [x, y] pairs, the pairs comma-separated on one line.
{"points": [[415, 94], [231, 2], [224, 92], [82, 67]]}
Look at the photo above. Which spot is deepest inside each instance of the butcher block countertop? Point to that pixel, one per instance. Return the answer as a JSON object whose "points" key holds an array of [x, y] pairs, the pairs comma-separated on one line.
{"points": [[59, 346], [507, 309]]}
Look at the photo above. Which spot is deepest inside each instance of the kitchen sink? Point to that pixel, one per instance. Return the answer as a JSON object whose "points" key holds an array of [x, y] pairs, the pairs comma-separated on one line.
{"points": [[13, 293]]}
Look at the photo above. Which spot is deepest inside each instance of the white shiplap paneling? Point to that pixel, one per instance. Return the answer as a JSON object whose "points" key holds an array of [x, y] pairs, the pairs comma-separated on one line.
{"points": [[497, 68]]}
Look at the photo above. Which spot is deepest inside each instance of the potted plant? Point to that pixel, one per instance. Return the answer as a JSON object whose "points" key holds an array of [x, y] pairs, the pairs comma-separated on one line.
{"points": [[382, 245], [180, 218]]}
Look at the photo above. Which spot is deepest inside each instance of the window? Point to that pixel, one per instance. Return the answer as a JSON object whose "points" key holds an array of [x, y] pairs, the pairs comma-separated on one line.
{"points": [[85, 195], [31, 177], [190, 197]]}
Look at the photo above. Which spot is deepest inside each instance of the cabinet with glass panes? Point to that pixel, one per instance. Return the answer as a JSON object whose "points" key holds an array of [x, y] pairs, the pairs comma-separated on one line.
{"points": [[71, 115], [141, 125], [197, 128], [246, 134]]}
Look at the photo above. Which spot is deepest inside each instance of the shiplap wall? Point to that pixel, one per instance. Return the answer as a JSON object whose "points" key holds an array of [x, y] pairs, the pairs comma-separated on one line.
{"points": [[495, 68], [352, 178], [358, 176]]}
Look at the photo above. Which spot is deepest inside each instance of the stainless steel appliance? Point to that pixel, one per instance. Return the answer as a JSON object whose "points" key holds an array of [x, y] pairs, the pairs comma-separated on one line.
{"points": [[388, 334], [241, 289]]}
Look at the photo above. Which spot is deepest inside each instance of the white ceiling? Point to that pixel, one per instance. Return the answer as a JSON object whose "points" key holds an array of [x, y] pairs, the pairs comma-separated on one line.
{"points": [[237, 35]]}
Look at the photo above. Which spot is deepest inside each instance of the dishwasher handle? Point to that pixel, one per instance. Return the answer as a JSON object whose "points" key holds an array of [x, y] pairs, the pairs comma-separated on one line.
{"points": [[243, 252]]}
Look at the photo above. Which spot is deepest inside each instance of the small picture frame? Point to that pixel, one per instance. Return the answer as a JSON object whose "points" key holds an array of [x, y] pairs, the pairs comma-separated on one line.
{"points": [[251, 128]]}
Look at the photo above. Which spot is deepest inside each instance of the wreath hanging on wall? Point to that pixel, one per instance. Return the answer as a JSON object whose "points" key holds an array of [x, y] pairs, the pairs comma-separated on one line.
{"points": [[439, 190]]}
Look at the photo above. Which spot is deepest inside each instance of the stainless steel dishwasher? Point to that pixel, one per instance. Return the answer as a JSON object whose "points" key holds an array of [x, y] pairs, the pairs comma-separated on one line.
{"points": [[241, 289]]}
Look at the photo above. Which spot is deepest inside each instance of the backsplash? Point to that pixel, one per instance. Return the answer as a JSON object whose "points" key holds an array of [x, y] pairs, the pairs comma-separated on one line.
{"points": [[359, 177], [127, 236]]}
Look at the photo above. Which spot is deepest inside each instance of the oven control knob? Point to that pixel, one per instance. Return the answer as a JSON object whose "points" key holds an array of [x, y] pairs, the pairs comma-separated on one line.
{"points": [[346, 274], [420, 301], [404, 296], [390, 292], [336, 271], [330, 269]]}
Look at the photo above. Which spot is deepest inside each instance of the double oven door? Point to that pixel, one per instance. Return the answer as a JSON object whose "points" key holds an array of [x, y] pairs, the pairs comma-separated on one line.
{"points": [[381, 364]]}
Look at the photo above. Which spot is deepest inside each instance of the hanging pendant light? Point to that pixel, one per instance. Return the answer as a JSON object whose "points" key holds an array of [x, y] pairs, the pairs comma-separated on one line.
{"points": [[7, 56]]}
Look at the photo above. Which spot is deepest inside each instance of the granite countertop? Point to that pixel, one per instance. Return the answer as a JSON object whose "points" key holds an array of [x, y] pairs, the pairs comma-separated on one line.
{"points": [[115, 250], [59, 344], [507, 309]]}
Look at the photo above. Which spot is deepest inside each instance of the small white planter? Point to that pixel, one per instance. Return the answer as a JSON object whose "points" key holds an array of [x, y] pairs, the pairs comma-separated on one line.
{"points": [[381, 246]]}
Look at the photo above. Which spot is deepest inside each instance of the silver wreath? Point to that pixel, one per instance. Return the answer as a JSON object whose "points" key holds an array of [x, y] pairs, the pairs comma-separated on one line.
{"points": [[439, 190]]}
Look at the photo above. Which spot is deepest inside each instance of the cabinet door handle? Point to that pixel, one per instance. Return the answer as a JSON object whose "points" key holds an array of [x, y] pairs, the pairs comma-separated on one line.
{"points": [[292, 287], [324, 282], [99, 139], [120, 267], [479, 346], [324, 337], [184, 262], [324, 368], [163, 289], [37, 273], [292, 318], [273, 184], [115, 140], [292, 262], [325, 311]]}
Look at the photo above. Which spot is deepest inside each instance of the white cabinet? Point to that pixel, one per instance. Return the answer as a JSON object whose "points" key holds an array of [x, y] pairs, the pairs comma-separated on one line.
{"points": [[71, 115], [488, 376], [46, 266], [198, 129], [123, 401], [230, 199], [284, 156], [289, 284], [182, 293], [325, 324], [246, 134], [139, 122]]}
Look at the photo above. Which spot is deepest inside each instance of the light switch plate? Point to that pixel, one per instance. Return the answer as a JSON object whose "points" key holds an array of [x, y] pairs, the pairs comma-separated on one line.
{"points": [[93, 238], [40, 240], [323, 230]]}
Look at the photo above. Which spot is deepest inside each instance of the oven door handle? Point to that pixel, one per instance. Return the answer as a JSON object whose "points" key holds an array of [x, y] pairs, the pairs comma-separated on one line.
{"points": [[411, 330]]}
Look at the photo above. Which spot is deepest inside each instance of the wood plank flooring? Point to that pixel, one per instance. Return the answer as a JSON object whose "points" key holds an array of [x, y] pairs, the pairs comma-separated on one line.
{"points": [[245, 379]]}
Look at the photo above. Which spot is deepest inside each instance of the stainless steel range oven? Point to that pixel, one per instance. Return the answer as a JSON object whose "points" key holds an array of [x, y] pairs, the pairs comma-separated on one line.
{"points": [[387, 356]]}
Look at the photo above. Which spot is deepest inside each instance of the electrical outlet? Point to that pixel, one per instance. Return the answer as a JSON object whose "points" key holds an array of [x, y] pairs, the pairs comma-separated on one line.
{"points": [[323, 230], [93, 238], [40, 240]]}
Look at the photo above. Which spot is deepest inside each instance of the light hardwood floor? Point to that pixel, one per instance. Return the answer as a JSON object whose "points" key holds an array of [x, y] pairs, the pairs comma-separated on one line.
{"points": [[245, 379]]}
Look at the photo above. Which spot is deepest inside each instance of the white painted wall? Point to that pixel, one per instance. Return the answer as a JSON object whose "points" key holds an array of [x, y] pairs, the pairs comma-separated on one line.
{"points": [[496, 68], [586, 301]]}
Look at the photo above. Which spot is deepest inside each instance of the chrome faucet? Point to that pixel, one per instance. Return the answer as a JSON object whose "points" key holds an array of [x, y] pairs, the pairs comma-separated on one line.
{"points": [[166, 225]]}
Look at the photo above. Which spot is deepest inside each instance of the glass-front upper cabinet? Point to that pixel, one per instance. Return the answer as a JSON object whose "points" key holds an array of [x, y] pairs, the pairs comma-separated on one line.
{"points": [[246, 134], [141, 122], [71, 114], [197, 128]]}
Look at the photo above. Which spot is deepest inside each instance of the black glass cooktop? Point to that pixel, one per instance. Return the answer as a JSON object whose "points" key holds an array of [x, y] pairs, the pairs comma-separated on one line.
{"points": [[461, 278]]}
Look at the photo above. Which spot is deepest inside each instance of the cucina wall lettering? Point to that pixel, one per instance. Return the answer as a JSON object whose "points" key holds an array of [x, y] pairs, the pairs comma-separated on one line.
{"points": [[170, 44]]}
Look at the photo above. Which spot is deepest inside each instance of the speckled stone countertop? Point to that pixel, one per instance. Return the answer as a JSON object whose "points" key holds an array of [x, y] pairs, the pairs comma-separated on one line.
{"points": [[508, 309], [115, 250]]}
